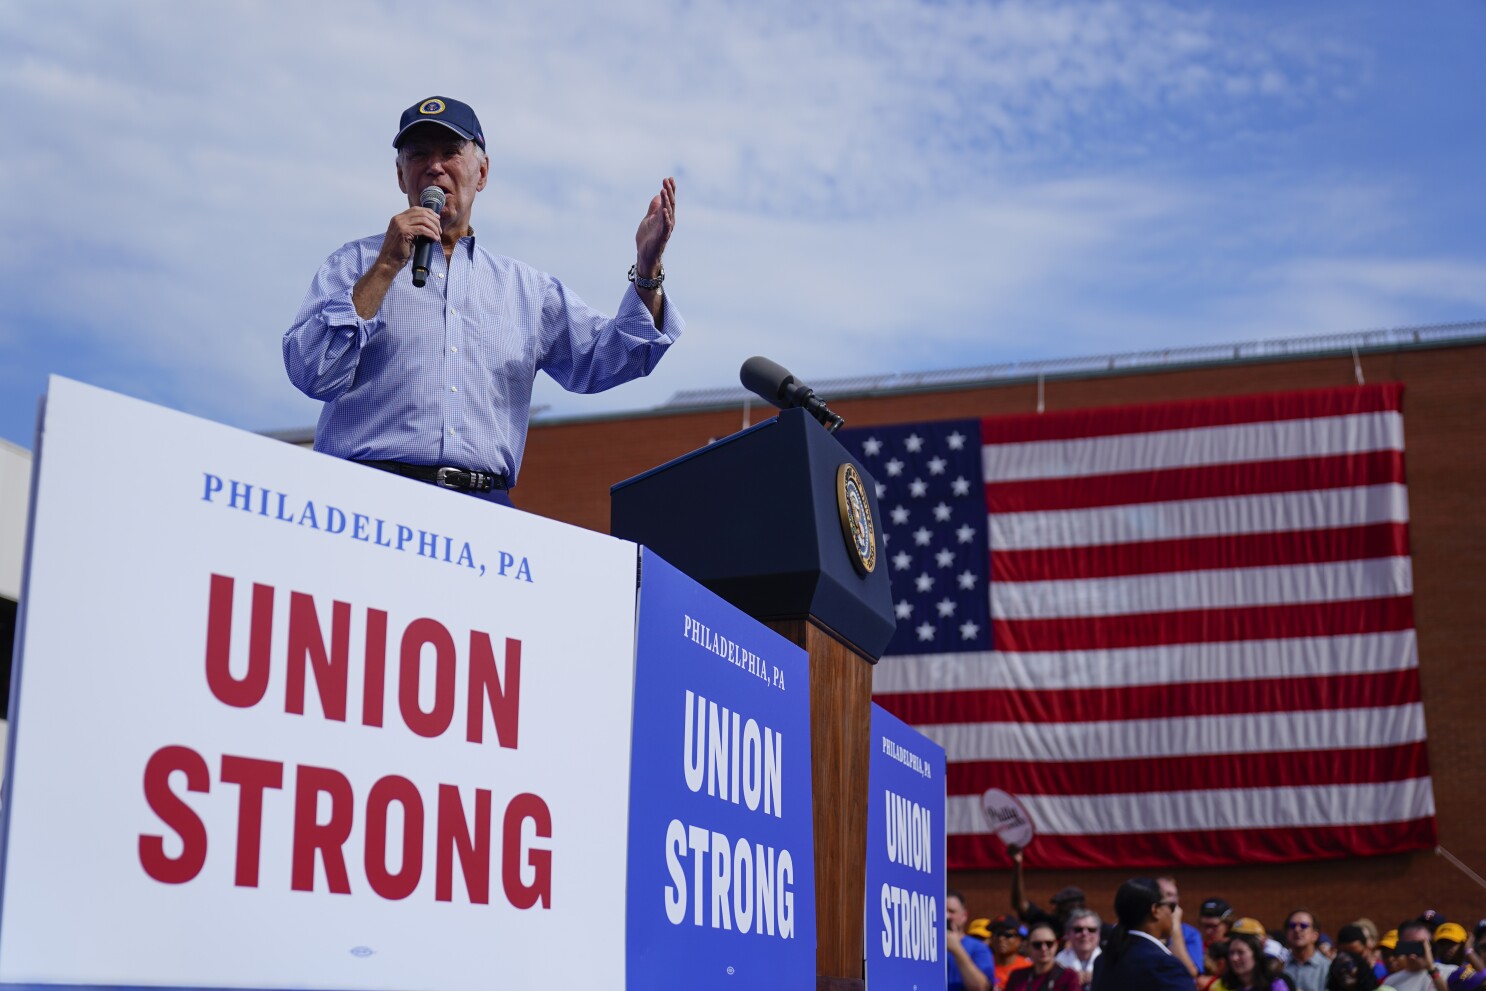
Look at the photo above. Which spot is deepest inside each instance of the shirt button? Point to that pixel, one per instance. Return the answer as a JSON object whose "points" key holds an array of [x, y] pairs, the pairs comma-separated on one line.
{"points": [[441, 275], [453, 388], [451, 431], [453, 350]]}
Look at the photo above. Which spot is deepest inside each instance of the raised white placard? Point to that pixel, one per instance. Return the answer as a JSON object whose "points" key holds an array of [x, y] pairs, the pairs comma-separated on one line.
{"points": [[1008, 817]]}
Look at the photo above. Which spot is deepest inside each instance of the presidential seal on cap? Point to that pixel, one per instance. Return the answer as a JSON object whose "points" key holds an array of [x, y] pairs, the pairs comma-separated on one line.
{"points": [[457, 117], [856, 519]]}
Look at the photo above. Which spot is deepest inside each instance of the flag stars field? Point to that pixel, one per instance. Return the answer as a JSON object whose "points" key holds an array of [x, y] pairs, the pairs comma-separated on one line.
{"points": [[932, 462]]}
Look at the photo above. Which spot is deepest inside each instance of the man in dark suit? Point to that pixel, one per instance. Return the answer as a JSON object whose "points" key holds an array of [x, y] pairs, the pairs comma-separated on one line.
{"points": [[1137, 957]]}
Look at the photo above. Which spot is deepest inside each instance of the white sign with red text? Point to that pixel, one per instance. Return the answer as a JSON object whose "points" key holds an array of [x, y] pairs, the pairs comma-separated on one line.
{"points": [[286, 721]]}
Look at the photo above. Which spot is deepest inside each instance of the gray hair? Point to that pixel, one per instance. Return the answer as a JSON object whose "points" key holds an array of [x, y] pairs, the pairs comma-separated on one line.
{"points": [[1082, 913]]}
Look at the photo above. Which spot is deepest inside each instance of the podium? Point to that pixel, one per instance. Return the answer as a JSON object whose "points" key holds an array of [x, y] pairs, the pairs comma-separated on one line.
{"points": [[762, 518]]}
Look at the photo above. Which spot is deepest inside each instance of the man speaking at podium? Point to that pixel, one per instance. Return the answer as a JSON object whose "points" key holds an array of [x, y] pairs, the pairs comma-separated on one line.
{"points": [[425, 358]]}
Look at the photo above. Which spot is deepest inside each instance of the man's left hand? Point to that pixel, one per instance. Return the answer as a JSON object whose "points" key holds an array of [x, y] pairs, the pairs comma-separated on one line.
{"points": [[655, 230]]}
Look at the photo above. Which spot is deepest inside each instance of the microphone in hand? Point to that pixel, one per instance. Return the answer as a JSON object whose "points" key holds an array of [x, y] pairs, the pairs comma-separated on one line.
{"points": [[432, 198]]}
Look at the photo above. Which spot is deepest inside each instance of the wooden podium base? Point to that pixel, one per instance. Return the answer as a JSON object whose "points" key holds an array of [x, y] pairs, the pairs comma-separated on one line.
{"points": [[840, 984], [840, 748]]}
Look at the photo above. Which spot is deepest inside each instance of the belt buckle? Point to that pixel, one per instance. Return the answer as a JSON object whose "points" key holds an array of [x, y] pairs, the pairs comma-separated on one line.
{"points": [[441, 479]]}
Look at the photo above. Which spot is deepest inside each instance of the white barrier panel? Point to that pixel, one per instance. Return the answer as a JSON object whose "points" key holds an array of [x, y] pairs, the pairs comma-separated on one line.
{"points": [[285, 721]]}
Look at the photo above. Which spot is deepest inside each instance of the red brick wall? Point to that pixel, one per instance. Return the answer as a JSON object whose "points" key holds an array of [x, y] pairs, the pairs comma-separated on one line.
{"points": [[569, 468]]}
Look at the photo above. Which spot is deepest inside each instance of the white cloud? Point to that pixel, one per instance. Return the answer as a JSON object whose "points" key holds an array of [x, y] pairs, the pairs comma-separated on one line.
{"points": [[864, 187]]}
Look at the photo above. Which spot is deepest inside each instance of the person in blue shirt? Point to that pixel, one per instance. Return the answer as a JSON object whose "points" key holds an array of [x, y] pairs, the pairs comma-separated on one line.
{"points": [[969, 962], [1185, 941], [434, 382]]}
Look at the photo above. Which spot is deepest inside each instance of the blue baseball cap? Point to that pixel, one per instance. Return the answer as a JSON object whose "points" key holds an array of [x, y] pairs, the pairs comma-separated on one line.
{"points": [[457, 117]]}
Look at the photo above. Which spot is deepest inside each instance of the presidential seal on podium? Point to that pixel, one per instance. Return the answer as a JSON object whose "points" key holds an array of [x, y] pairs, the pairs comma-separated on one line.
{"points": [[856, 518]]}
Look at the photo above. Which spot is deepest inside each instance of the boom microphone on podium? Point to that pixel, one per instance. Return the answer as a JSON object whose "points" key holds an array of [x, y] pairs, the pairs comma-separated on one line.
{"points": [[433, 199], [777, 386]]}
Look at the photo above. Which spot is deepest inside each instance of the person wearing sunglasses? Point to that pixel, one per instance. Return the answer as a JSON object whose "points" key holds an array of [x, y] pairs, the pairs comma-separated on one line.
{"points": [[1082, 931], [1136, 957], [1045, 974], [1006, 946], [1307, 965]]}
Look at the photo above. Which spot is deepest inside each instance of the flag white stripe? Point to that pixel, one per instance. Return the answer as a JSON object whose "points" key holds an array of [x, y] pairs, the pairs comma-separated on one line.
{"points": [[1268, 513], [1334, 581], [1186, 736], [1236, 808], [1275, 440], [1238, 660]]}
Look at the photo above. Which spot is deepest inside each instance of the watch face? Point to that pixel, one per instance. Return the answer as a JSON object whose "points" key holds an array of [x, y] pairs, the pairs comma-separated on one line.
{"points": [[857, 525]]}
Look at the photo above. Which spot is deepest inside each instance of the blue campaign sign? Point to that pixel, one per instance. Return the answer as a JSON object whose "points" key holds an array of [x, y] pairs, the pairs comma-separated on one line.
{"points": [[721, 889], [905, 858]]}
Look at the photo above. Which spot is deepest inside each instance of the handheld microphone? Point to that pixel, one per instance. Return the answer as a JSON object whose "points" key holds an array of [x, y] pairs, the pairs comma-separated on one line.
{"points": [[433, 199], [775, 384]]}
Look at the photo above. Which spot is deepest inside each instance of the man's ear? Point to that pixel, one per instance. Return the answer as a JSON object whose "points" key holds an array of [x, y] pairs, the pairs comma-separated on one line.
{"points": [[484, 173]]}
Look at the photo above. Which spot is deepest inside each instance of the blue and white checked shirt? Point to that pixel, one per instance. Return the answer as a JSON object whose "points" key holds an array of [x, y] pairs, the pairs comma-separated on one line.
{"points": [[442, 375]]}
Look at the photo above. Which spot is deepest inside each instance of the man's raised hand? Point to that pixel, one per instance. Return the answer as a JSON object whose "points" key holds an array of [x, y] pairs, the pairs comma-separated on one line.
{"points": [[655, 230]]}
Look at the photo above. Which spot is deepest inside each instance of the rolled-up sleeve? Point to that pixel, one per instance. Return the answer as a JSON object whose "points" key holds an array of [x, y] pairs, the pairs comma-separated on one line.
{"points": [[323, 347], [585, 351]]}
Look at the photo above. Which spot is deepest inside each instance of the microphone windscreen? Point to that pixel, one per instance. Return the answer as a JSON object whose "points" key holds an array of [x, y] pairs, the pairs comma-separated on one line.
{"points": [[765, 378], [433, 198]]}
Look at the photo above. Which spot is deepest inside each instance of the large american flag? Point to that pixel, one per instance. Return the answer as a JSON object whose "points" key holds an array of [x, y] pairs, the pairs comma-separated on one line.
{"points": [[1180, 634]]}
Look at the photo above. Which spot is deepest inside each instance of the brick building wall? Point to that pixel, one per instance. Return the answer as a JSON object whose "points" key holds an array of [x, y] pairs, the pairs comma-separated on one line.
{"points": [[570, 465]]}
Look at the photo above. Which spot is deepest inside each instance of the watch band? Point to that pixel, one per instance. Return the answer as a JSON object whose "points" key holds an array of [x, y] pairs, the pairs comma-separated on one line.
{"points": [[643, 283]]}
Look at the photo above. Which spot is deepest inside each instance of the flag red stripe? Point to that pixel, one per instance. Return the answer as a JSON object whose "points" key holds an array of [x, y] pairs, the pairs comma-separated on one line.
{"points": [[1155, 847], [1269, 622], [1337, 471], [1270, 769], [1200, 785], [1108, 422], [1169, 701], [1243, 550]]}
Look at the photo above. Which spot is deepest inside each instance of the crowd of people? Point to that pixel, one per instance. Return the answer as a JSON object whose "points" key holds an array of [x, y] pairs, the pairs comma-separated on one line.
{"points": [[1146, 946]]}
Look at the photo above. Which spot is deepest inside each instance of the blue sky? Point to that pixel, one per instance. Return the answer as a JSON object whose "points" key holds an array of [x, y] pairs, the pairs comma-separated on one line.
{"points": [[870, 187]]}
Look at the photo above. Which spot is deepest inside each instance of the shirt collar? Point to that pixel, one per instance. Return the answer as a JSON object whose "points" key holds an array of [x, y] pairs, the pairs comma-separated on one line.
{"points": [[1141, 932]]}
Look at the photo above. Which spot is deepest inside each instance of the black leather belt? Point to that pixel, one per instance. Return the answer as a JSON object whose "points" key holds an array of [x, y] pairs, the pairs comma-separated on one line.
{"points": [[459, 479]]}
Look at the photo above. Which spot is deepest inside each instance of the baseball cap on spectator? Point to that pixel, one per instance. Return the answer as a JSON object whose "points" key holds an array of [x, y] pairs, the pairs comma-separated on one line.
{"points": [[1453, 931], [1350, 934], [1481, 928], [1431, 918], [979, 928], [1007, 924], [1215, 908], [1249, 927], [1389, 940], [1069, 894]]}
